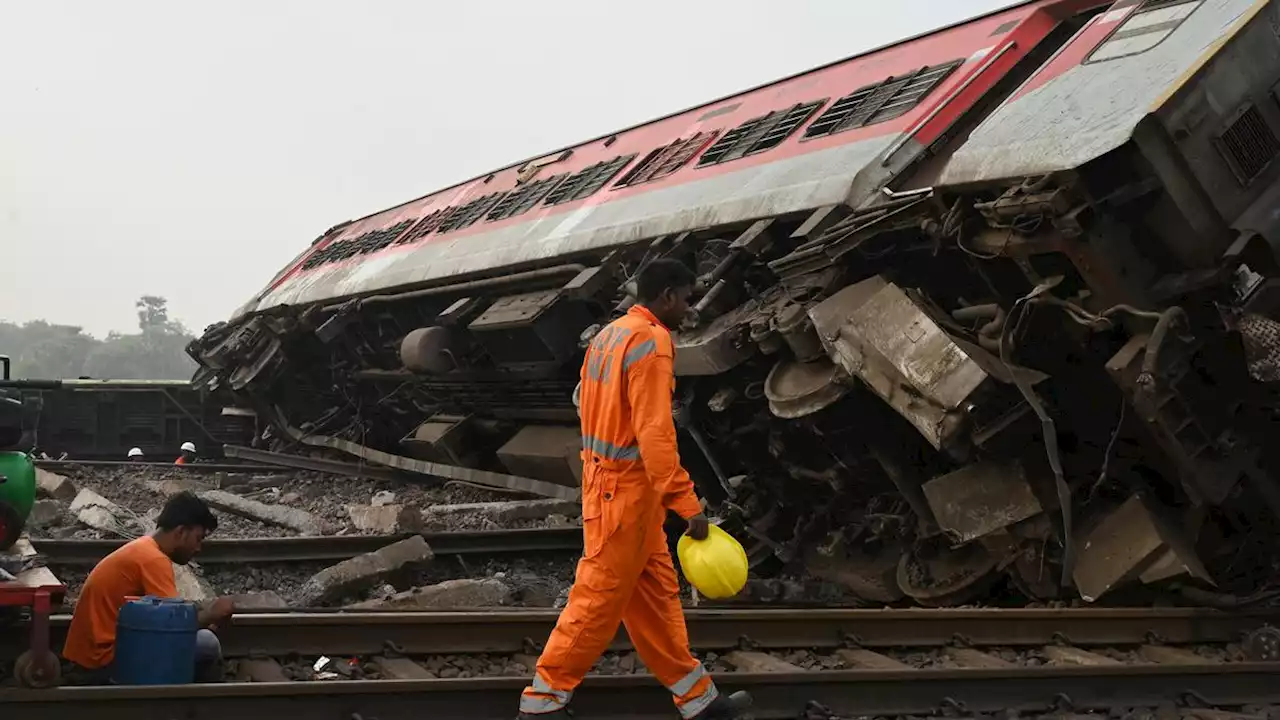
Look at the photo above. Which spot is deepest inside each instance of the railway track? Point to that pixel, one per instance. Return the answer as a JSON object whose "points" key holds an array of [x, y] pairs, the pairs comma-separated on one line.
{"points": [[1001, 660], [253, 469], [421, 633], [334, 548]]}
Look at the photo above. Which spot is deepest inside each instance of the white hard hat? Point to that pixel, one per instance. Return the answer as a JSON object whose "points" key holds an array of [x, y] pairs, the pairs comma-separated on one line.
{"points": [[188, 446], [135, 452]]}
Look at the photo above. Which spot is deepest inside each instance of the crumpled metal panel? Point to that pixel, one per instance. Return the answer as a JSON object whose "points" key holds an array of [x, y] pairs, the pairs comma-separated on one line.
{"points": [[718, 346], [1069, 113], [793, 184], [876, 333], [1128, 542], [981, 498]]}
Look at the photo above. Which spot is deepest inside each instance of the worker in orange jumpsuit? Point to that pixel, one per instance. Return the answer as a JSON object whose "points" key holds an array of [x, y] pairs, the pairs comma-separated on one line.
{"points": [[631, 476], [188, 455]]}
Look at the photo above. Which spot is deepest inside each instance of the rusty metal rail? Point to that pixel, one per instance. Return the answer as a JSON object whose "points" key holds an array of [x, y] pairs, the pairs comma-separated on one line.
{"points": [[776, 695], [200, 467], [282, 462], [421, 633], [332, 548]]}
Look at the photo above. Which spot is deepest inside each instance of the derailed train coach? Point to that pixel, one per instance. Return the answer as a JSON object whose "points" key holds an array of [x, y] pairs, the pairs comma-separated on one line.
{"points": [[991, 305]]}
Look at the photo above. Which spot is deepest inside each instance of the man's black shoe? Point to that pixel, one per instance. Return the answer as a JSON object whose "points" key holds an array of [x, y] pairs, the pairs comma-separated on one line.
{"points": [[732, 707], [561, 714]]}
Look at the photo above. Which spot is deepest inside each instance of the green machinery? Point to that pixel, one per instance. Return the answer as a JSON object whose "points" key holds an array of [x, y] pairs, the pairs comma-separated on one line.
{"points": [[17, 473]]}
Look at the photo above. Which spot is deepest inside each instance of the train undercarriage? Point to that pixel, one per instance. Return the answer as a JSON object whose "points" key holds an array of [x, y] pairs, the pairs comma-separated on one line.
{"points": [[1037, 385]]}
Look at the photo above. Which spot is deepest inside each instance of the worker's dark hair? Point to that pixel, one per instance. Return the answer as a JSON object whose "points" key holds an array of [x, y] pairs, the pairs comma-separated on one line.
{"points": [[661, 275], [186, 510]]}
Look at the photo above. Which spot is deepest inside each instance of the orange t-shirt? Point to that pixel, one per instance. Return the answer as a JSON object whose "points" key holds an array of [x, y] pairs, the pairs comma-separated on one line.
{"points": [[180, 461], [139, 568]]}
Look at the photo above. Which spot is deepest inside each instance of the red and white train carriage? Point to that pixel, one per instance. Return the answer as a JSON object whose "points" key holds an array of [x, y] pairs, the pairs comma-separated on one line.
{"points": [[987, 303]]}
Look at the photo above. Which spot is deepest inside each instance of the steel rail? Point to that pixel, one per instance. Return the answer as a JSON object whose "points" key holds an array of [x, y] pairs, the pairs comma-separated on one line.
{"points": [[284, 462], [199, 467], [424, 633], [333, 548], [637, 697]]}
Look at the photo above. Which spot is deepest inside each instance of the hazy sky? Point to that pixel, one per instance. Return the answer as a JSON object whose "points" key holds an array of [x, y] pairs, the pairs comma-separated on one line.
{"points": [[191, 150]]}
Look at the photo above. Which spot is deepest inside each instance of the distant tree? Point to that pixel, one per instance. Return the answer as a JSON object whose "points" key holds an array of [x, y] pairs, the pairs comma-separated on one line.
{"points": [[43, 350], [153, 317]]}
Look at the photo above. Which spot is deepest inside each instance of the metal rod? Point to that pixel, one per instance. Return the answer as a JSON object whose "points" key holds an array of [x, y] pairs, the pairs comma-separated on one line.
{"points": [[482, 283], [357, 633]]}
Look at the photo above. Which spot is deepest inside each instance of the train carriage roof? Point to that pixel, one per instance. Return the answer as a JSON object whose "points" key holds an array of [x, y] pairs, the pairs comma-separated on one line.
{"points": [[811, 140], [813, 135]]}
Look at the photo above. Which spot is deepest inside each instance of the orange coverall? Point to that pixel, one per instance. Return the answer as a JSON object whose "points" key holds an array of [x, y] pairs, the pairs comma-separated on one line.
{"points": [[631, 476]]}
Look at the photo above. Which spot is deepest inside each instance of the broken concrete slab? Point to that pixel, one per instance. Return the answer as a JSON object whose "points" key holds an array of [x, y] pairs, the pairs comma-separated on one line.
{"points": [[190, 585], [53, 485], [460, 593], [385, 519], [45, 513], [363, 571], [299, 520], [99, 513], [510, 510]]}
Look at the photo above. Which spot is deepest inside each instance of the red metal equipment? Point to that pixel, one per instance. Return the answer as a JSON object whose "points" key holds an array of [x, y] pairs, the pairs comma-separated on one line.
{"points": [[39, 590]]}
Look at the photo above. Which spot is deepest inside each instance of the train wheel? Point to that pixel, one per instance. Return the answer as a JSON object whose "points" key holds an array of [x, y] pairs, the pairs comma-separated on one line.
{"points": [[1034, 577], [870, 576], [37, 671], [942, 576]]}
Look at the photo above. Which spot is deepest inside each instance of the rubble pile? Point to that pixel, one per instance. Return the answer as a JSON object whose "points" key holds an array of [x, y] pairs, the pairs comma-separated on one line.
{"points": [[337, 504], [122, 503]]}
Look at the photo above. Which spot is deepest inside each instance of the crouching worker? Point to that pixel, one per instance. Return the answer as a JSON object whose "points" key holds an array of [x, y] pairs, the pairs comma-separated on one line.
{"points": [[145, 567], [631, 477]]}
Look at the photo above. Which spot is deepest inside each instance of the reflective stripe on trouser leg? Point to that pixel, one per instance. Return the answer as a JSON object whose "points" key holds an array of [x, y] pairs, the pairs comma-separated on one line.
{"points": [[694, 692], [540, 698]]}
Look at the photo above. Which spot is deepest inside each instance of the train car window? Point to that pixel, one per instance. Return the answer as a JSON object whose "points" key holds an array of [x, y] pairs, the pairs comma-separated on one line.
{"points": [[759, 134], [1143, 28], [667, 159], [467, 215], [424, 226], [588, 181], [365, 243], [890, 98], [524, 197]]}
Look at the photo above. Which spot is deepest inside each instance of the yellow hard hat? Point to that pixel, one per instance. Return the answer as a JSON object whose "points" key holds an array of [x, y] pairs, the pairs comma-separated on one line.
{"points": [[717, 566]]}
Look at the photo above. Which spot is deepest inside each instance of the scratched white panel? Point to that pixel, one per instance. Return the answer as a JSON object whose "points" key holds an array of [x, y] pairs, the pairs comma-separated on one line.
{"points": [[1090, 109]]}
